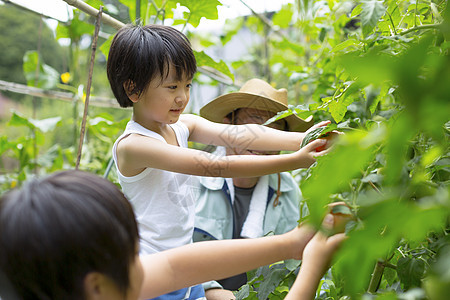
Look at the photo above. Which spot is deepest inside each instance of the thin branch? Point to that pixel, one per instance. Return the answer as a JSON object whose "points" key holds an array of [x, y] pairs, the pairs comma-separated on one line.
{"points": [[375, 187], [106, 19], [392, 22], [421, 27], [88, 87], [265, 20]]}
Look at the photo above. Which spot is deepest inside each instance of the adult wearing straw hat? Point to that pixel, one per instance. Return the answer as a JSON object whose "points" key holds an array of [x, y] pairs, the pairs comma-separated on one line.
{"points": [[247, 207]]}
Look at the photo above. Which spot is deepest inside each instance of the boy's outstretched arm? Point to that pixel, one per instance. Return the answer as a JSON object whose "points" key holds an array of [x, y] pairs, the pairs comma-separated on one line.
{"points": [[248, 136], [136, 152], [316, 260], [213, 260]]}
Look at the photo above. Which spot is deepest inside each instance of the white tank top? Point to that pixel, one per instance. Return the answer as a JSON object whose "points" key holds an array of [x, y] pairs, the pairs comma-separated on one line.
{"points": [[163, 201]]}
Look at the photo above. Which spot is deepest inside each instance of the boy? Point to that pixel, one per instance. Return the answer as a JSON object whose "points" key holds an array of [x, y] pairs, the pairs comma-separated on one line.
{"points": [[73, 235]]}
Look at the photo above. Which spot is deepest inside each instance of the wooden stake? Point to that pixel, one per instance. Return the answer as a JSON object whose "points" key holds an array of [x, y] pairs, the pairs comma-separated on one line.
{"points": [[88, 87]]}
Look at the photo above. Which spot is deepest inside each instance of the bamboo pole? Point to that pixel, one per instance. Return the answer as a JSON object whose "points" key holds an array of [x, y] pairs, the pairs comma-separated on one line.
{"points": [[106, 19], [64, 96], [88, 87]]}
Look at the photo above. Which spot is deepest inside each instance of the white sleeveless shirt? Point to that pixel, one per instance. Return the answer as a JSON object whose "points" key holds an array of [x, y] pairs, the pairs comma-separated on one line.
{"points": [[163, 201]]}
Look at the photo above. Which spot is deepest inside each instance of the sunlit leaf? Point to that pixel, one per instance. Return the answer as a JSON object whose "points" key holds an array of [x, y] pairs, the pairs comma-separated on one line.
{"points": [[201, 9], [371, 12], [204, 60]]}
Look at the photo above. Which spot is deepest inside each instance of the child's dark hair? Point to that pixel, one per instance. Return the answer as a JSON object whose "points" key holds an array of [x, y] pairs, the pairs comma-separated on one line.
{"points": [[138, 54], [56, 230]]}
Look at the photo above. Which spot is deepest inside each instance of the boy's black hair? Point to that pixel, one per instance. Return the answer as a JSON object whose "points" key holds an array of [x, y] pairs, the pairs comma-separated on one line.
{"points": [[56, 230], [138, 54]]}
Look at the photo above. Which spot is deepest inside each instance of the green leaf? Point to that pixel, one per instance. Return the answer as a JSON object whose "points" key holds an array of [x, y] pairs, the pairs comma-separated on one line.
{"points": [[75, 30], [338, 108], [19, 120], [386, 220], [346, 44], [400, 132], [131, 4], [204, 60], [410, 271], [4, 144], [371, 12], [341, 209], [201, 9], [317, 133], [104, 48], [374, 67], [270, 282], [333, 171], [46, 125], [42, 76], [283, 17], [357, 10]]}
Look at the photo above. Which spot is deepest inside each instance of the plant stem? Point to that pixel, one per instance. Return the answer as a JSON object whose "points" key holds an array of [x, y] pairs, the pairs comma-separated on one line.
{"points": [[421, 27], [187, 21], [392, 23], [376, 277]]}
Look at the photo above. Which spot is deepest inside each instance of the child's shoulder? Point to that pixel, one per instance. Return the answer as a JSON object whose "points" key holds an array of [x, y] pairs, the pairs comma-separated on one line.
{"points": [[190, 120]]}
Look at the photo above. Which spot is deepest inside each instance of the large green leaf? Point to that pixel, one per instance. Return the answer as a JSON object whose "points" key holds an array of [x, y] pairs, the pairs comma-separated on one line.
{"points": [[204, 60], [75, 29], [371, 12], [333, 172], [46, 125], [200, 9], [46, 77], [284, 16]]}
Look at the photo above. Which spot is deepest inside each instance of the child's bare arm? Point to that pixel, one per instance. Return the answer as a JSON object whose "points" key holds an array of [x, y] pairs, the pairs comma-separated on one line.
{"points": [[316, 260], [137, 152], [199, 262], [248, 136]]}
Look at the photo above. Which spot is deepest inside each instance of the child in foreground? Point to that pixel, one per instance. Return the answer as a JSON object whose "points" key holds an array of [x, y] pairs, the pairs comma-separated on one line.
{"points": [[73, 235]]}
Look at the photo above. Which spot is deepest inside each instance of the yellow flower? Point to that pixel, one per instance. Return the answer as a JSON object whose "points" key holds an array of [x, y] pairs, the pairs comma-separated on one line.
{"points": [[65, 77], [13, 184], [304, 87]]}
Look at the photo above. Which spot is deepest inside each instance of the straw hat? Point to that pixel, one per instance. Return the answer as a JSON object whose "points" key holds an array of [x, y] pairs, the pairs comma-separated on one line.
{"points": [[257, 94]]}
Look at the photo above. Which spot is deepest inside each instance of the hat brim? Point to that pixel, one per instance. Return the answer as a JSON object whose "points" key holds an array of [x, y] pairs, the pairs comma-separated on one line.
{"points": [[219, 108]]}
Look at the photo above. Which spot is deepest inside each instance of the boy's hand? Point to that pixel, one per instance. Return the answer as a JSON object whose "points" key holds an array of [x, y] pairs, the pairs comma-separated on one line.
{"points": [[342, 215], [330, 138], [323, 130], [319, 251], [307, 155]]}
